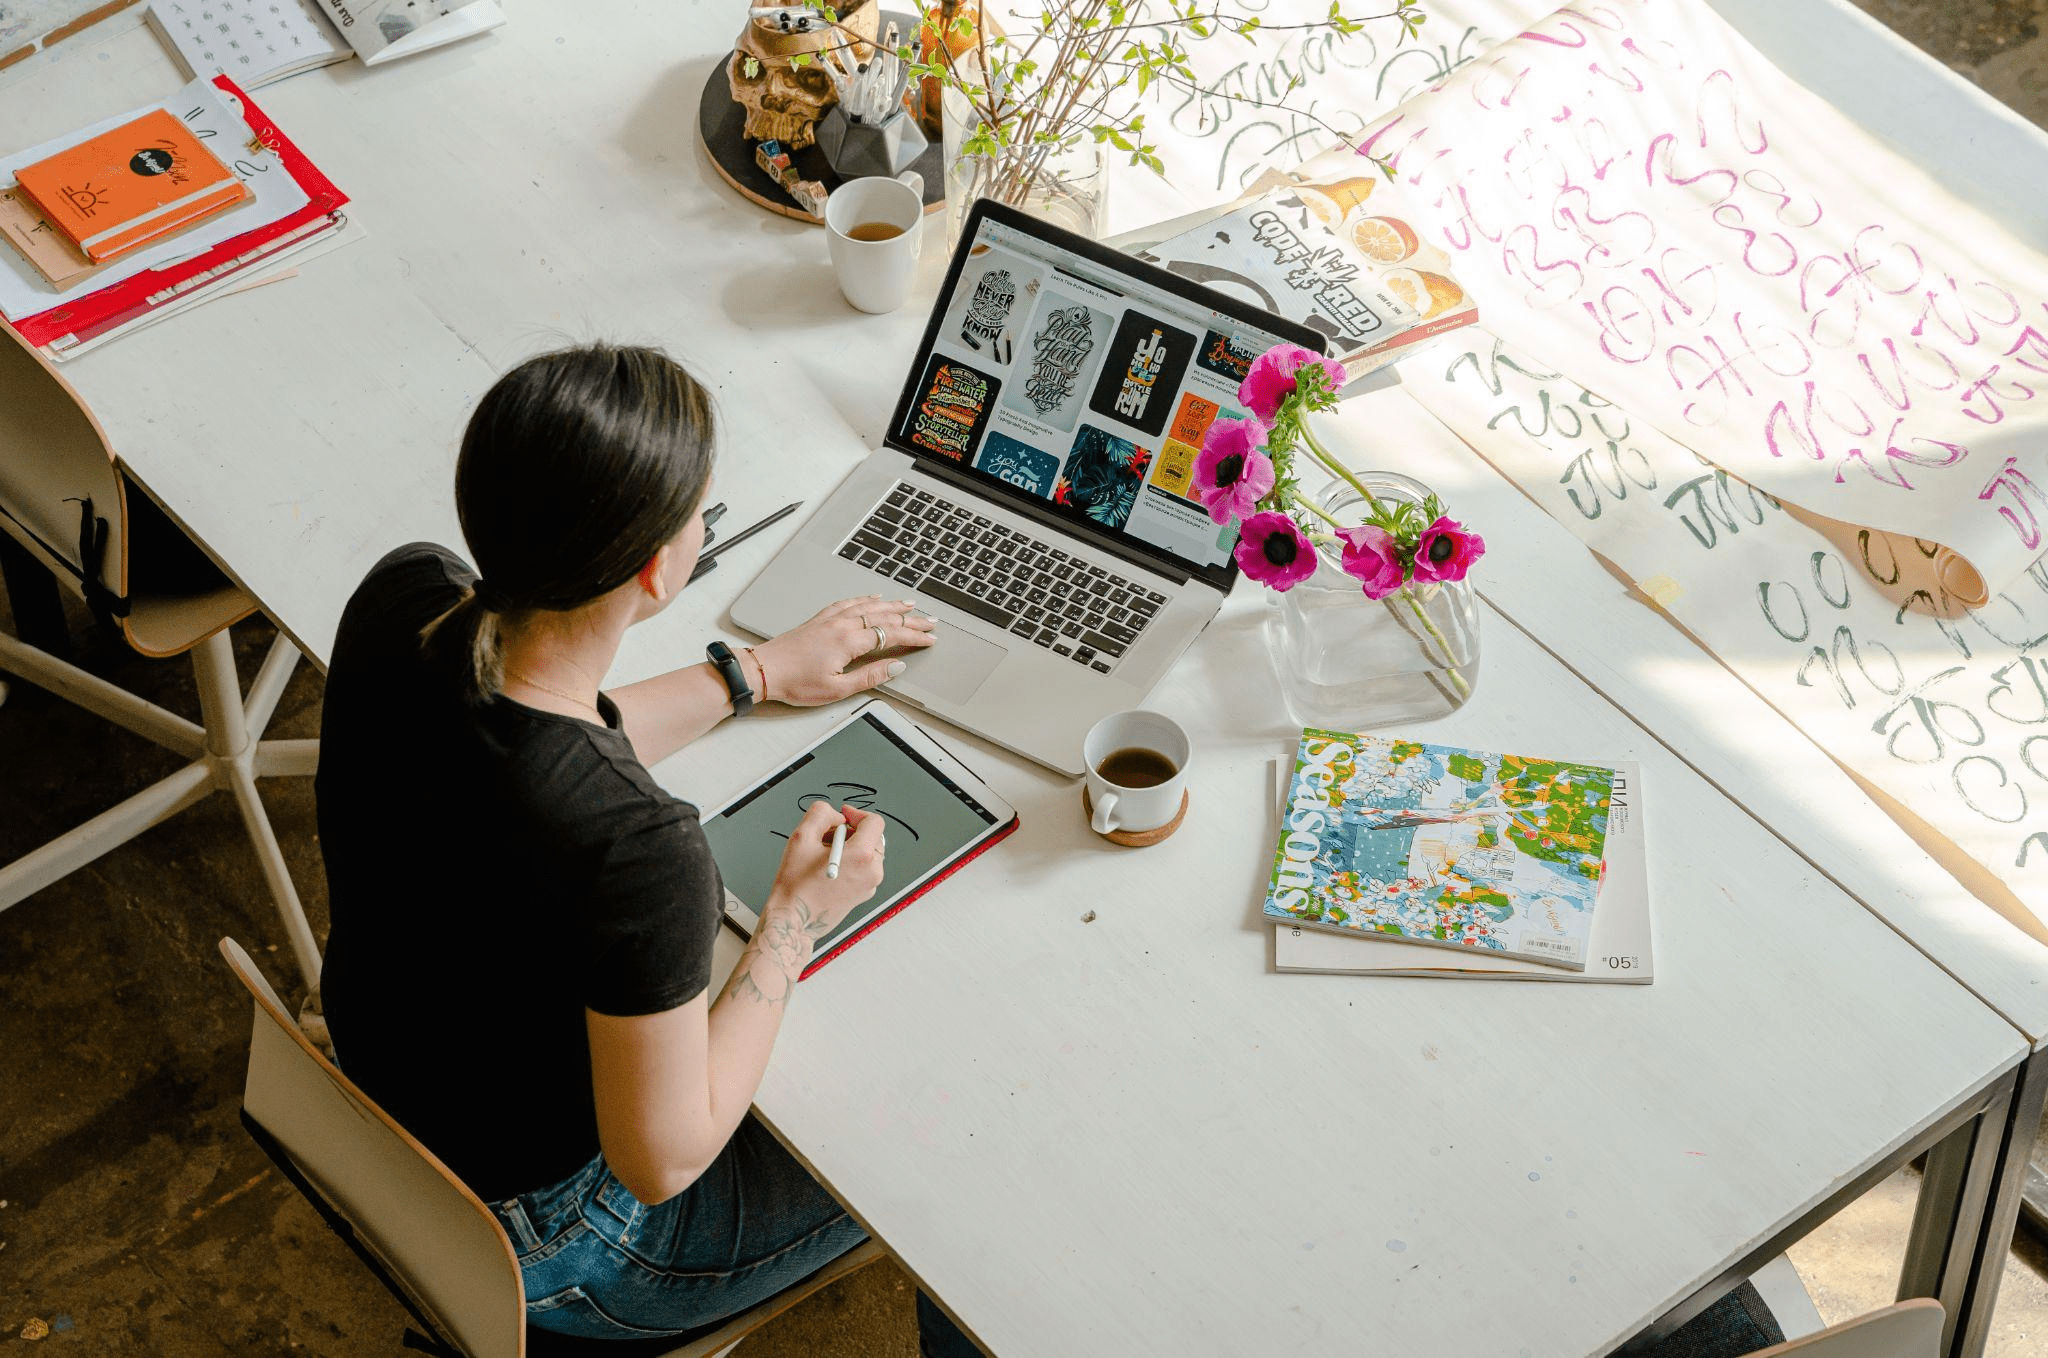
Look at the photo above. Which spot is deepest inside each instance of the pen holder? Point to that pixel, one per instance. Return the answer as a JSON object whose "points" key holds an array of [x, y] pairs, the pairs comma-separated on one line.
{"points": [[858, 150]]}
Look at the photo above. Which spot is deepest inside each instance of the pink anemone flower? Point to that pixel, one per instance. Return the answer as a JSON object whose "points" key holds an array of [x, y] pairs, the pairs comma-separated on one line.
{"points": [[1274, 552], [1232, 473], [1446, 551], [1272, 375], [1372, 555]]}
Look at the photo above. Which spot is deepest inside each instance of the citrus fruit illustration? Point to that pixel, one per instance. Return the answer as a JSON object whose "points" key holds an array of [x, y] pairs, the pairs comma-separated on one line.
{"points": [[1385, 240], [1331, 202], [1430, 294]]}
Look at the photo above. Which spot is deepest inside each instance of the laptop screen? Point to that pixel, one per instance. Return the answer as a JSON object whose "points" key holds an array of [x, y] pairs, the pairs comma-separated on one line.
{"points": [[1061, 373]]}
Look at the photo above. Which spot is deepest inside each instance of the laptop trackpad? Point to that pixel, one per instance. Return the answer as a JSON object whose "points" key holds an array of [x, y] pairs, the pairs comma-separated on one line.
{"points": [[950, 669]]}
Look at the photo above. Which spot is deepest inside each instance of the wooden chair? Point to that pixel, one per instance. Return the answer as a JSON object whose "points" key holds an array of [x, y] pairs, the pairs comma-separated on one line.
{"points": [[429, 1239], [68, 506], [1909, 1329]]}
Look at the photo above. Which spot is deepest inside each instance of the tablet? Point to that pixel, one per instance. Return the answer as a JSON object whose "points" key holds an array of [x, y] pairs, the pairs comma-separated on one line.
{"points": [[938, 812]]}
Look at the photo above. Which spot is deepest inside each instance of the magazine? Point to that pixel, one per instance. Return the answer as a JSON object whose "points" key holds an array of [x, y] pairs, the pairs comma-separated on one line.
{"points": [[258, 41], [1432, 844], [381, 30], [1623, 942], [1329, 244]]}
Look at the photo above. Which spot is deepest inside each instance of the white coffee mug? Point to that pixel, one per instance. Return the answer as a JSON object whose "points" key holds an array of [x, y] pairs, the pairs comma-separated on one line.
{"points": [[1121, 807], [876, 275]]}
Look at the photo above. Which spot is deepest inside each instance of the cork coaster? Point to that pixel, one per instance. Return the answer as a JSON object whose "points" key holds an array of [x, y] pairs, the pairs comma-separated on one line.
{"points": [[1137, 839]]}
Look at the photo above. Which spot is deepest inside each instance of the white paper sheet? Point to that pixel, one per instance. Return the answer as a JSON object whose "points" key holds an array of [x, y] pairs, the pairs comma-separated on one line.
{"points": [[1216, 138], [1633, 193], [1845, 631]]}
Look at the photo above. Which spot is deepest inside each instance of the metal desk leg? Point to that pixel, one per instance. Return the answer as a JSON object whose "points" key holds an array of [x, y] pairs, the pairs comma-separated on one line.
{"points": [[1970, 1314], [1948, 1219]]}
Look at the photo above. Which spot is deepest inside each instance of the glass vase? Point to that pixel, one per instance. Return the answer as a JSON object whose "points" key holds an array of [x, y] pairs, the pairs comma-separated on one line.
{"points": [[1066, 185], [1349, 663]]}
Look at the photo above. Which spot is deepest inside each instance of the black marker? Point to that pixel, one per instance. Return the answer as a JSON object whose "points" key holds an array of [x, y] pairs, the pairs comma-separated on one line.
{"points": [[710, 558]]}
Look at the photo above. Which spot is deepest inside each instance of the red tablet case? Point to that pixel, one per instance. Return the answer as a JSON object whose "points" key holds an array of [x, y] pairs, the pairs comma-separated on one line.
{"points": [[858, 934]]}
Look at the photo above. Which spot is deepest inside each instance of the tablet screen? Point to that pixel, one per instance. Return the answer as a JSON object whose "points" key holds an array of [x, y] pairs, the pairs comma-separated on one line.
{"points": [[930, 818]]}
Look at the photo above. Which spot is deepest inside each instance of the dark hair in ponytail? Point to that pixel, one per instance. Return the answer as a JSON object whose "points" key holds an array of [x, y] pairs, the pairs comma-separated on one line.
{"points": [[576, 468]]}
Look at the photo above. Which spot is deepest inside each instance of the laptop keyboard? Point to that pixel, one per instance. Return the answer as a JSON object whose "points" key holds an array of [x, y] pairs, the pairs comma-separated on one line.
{"points": [[952, 555]]}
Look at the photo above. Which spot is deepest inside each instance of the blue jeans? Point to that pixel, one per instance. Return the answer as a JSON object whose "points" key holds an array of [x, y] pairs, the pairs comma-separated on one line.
{"points": [[600, 1264]]}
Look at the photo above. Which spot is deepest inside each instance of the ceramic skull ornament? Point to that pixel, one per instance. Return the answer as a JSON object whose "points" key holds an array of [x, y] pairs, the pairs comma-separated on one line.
{"points": [[785, 101]]}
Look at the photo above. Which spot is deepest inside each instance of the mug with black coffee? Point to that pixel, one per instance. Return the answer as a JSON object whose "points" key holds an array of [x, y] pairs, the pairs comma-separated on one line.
{"points": [[1137, 773], [871, 232]]}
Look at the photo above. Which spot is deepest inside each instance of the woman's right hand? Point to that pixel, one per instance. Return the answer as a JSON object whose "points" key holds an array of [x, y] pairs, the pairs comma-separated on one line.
{"points": [[827, 900]]}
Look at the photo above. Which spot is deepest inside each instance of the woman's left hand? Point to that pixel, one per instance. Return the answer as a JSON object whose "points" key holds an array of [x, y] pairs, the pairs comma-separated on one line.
{"points": [[809, 664]]}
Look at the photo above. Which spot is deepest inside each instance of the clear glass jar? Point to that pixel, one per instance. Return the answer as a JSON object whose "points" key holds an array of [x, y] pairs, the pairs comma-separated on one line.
{"points": [[1068, 186], [1349, 663]]}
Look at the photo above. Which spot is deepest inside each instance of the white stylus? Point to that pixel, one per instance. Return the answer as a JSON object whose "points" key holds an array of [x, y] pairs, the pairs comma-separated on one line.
{"points": [[838, 849]]}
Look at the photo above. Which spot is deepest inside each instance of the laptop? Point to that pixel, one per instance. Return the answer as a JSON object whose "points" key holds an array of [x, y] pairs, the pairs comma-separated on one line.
{"points": [[1035, 491]]}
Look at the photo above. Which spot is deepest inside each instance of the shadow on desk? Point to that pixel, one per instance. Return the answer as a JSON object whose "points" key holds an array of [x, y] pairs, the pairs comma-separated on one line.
{"points": [[662, 128], [780, 294]]}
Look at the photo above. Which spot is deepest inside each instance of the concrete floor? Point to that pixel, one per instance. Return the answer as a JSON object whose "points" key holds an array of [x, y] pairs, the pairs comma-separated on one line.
{"points": [[137, 1218]]}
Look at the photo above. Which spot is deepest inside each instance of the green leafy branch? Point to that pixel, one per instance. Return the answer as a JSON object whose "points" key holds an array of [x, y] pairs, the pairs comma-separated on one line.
{"points": [[1082, 71]]}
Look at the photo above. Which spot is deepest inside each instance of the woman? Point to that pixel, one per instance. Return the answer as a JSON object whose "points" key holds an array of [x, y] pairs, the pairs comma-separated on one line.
{"points": [[522, 920]]}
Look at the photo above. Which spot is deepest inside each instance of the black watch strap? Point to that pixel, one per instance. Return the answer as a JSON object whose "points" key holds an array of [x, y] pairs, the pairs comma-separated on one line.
{"points": [[735, 678]]}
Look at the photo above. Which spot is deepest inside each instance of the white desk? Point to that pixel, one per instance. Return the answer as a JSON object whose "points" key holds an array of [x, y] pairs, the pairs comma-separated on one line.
{"points": [[1119, 1136], [1128, 1136]]}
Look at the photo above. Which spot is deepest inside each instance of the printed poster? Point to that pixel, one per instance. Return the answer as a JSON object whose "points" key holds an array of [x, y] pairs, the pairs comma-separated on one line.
{"points": [[1102, 476], [952, 408], [1018, 463], [1067, 338], [1175, 470], [991, 305], [1226, 356], [1145, 364]]}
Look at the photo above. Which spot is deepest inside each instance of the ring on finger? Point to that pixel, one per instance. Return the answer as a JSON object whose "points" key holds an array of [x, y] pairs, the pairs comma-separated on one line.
{"points": [[881, 637], [863, 619]]}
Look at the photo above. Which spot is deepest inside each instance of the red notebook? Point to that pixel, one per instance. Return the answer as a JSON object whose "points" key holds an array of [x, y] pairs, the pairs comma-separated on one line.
{"points": [[118, 191], [98, 311]]}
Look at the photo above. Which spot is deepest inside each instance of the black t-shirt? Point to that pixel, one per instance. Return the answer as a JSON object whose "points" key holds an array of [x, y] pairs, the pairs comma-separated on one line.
{"points": [[492, 870]]}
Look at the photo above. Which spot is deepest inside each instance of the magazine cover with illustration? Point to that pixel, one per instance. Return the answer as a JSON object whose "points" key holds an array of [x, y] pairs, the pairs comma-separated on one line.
{"points": [[1389, 838]]}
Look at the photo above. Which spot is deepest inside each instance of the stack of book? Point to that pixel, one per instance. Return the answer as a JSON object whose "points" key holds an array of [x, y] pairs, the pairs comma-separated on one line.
{"points": [[150, 212], [1401, 858]]}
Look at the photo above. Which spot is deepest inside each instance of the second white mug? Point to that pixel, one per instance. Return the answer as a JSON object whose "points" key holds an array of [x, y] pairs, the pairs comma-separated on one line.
{"points": [[1137, 771], [872, 227]]}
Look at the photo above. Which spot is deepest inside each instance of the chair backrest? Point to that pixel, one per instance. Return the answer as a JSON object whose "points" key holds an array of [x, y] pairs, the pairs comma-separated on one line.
{"points": [[1910, 1329], [52, 457], [435, 1238], [54, 460]]}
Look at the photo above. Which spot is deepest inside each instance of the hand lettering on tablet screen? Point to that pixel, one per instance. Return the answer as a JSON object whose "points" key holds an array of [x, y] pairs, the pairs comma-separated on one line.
{"points": [[860, 796]]}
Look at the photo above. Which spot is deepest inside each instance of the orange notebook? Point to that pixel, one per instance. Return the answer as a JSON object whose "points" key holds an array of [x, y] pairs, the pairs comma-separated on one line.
{"points": [[123, 189]]}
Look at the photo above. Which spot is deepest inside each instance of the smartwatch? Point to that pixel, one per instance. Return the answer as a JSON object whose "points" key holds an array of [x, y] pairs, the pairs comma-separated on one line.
{"points": [[728, 666]]}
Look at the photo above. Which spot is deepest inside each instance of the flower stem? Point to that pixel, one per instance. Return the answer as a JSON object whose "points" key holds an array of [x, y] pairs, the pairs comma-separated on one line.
{"points": [[1337, 468], [1303, 502], [1422, 616]]}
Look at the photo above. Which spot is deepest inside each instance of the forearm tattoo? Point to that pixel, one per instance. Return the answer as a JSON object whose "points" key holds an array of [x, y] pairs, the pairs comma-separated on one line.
{"points": [[769, 968]]}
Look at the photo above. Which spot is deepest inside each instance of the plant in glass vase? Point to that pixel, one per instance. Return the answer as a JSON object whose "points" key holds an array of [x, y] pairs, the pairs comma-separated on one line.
{"points": [[1031, 114], [1370, 538]]}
